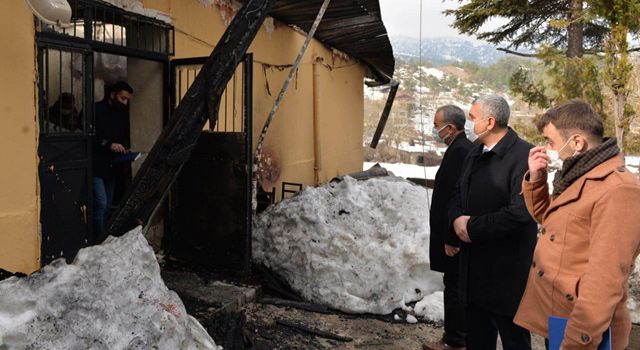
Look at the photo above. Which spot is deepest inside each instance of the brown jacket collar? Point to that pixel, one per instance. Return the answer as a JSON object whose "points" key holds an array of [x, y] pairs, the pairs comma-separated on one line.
{"points": [[574, 191]]}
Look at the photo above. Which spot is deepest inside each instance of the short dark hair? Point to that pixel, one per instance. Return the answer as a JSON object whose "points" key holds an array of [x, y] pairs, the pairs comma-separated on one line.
{"points": [[573, 115], [121, 86], [453, 115]]}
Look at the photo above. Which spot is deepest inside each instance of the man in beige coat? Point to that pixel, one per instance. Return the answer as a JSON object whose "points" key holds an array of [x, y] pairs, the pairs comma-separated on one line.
{"points": [[590, 234]]}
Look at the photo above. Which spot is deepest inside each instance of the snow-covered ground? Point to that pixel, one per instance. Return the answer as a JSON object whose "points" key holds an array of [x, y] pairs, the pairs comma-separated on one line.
{"points": [[418, 148], [434, 72], [111, 297], [633, 163], [634, 294], [136, 6], [356, 246], [406, 170]]}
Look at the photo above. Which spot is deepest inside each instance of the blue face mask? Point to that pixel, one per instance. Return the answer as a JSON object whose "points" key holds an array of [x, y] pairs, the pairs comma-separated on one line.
{"points": [[436, 134]]}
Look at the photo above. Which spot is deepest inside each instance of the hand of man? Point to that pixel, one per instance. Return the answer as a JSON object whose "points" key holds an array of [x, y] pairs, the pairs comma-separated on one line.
{"points": [[450, 250], [538, 163], [460, 226], [117, 148]]}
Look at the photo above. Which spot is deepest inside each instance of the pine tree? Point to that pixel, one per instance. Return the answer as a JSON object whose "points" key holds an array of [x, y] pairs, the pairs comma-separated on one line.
{"points": [[570, 37], [557, 23], [623, 18]]}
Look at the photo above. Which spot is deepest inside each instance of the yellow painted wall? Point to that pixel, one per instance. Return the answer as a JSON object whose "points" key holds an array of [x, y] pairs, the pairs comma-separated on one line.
{"points": [[19, 203], [290, 136]]}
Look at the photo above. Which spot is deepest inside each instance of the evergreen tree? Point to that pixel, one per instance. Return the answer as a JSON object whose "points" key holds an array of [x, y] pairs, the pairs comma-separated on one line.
{"points": [[567, 36], [622, 16], [558, 23]]}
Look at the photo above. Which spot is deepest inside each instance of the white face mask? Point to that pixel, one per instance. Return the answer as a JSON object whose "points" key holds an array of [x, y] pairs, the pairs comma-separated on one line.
{"points": [[469, 127], [555, 163], [436, 134]]}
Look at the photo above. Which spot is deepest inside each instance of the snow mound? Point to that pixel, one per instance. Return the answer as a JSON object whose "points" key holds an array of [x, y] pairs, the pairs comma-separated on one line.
{"points": [[633, 302], [359, 247], [110, 297], [431, 307]]}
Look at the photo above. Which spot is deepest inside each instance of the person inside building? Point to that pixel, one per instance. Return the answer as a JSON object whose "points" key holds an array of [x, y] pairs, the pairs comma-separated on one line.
{"points": [[448, 128], [64, 116], [110, 140], [590, 234]]}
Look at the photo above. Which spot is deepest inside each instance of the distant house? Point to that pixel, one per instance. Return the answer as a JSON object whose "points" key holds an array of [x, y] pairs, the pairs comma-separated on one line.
{"points": [[158, 46]]}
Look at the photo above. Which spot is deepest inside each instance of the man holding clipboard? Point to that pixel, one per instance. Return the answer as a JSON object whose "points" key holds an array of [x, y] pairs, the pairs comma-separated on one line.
{"points": [[110, 147], [590, 233]]}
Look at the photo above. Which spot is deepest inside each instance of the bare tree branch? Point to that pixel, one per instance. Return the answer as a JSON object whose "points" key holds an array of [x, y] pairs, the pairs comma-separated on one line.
{"points": [[586, 52], [521, 54]]}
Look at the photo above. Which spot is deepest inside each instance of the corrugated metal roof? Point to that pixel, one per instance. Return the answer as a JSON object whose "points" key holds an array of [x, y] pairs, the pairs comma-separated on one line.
{"points": [[351, 26]]}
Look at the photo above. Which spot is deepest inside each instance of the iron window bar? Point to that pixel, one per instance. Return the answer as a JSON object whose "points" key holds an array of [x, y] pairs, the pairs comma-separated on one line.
{"points": [[98, 22]]}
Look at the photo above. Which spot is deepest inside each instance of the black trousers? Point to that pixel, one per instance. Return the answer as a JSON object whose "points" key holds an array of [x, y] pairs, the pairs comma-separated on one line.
{"points": [[455, 330], [484, 327]]}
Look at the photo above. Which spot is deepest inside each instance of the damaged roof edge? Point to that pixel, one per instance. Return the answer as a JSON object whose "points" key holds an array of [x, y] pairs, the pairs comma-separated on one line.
{"points": [[354, 27]]}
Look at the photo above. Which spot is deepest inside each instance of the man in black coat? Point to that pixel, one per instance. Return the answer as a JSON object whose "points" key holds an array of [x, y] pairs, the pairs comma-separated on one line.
{"points": [[109, 140], [448, 128], [489, 215]]}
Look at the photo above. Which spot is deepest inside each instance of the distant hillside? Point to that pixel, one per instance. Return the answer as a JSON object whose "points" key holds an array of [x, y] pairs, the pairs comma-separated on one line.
{"points": [[440, 51]]}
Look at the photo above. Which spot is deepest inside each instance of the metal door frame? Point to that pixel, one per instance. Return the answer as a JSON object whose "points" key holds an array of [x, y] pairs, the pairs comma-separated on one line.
{"points": [[43, 44], [46, 38], [247, 129]]}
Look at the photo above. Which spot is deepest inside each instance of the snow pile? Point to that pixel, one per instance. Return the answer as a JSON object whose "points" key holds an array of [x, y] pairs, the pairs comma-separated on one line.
{"points": [[358, 247], [406, 170], [634, 293], [111, 297], [633, 163], [431, 307], [136, 6]]}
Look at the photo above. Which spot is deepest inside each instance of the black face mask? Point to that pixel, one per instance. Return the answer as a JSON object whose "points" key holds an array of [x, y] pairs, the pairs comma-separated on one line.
{"points": [[120, 107]]}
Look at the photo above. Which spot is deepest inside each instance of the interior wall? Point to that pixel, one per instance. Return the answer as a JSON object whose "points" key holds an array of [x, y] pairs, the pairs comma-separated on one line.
{"points": [[19, 198], [146, 109], [146, 121]]}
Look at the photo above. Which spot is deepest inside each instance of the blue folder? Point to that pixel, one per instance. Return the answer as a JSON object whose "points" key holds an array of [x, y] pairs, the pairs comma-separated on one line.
{"points": [[557, 326], [126, 158]]}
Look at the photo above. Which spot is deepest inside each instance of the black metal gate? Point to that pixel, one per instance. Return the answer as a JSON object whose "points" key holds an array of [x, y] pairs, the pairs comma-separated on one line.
{"points": [[212, 197], [65, 117]]}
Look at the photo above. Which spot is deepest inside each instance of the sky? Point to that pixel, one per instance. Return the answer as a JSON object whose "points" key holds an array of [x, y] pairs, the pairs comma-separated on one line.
{"points": [[402, 18]]}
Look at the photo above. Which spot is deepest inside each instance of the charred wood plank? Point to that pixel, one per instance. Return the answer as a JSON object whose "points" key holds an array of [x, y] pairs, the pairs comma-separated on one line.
{"points": [[317, 332], [173, 147], [320, 309], [385, 114]]}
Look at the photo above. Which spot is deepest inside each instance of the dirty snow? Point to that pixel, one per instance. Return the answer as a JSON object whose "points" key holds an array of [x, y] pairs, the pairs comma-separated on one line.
{"points": [[110, 297], [406, 170], [634, 294], [431, 307], [360, 247], [136, 6]]}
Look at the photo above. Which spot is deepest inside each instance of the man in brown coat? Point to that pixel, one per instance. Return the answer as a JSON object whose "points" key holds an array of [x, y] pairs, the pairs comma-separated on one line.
{"points": [[590, 233]]}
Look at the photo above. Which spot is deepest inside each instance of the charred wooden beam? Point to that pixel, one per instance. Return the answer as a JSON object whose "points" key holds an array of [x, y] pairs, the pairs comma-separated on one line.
{"points": [[385, 114], [317, 332], [317, 308], [173, 147]]}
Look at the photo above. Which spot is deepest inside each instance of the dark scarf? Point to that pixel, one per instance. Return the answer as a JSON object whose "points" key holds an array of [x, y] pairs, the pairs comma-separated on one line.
{"points": [[575, 167]]}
